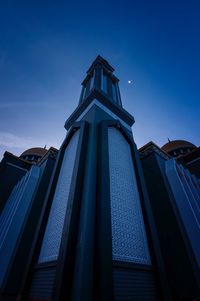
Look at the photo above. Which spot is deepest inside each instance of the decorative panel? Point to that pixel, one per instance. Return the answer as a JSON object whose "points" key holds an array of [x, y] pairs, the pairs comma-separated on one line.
{"points": [[129, 242], [53, 233]]}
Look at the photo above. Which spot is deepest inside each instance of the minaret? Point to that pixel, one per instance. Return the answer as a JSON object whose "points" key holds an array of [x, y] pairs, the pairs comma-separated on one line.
{"points": [[100, 78], [100, 88], [98, 242]]}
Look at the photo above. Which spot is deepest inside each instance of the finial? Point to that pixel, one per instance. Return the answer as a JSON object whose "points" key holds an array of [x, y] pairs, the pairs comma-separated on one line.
{"points": [[168, 140]]}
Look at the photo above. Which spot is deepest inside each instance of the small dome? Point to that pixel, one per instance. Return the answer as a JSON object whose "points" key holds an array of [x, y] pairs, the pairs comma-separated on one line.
{"points": [[33, 154], [178, 147], [35, 151]]}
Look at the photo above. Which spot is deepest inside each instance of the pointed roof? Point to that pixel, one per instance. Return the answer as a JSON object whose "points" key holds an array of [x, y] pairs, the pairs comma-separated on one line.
{"points": [[101, 61]]}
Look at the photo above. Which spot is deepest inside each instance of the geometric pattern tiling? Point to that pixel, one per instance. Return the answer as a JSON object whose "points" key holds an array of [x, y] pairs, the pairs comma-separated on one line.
{"points": [[129, 241], [53, 233]]}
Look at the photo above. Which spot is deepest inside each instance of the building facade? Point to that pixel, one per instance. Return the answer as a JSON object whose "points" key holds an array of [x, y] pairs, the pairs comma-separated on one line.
{"points": [[90, 224], [174, 195]]}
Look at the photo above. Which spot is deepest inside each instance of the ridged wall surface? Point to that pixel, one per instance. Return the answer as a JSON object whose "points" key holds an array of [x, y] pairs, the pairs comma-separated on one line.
{"points": [[13, 216], [186, 195], [138, 285], [42, 284]]}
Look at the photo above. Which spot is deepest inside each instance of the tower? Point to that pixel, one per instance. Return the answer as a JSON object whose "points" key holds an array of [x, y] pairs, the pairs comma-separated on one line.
{"points": [[79, 225], [97, 239]]}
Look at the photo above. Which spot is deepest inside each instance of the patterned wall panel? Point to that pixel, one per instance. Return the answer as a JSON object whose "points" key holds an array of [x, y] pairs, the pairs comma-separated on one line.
{"points": [[53, 233], [129, 240]]}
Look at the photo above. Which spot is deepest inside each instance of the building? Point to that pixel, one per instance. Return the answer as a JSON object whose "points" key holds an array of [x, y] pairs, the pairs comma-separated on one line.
{"points": [[33, 155], [100, 220], [174, 195], [11, 171], [13, 168], [185, 153]]}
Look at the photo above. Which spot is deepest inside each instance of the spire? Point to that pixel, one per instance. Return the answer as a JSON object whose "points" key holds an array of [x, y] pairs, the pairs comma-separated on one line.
{"points": [[101, 61], [100, 77], [101, 88]]}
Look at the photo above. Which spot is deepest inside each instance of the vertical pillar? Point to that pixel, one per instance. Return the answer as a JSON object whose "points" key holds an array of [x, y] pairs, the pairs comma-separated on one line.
{"points": [[67, 255]]}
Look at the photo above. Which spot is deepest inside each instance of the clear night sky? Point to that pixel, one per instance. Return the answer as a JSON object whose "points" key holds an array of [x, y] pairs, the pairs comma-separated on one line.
{"points": [[47, 46]]}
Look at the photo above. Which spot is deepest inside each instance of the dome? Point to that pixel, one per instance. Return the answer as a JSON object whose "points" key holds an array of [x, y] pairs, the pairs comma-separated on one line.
{"points": [[178, 147], [35, 151], [33, 154]]}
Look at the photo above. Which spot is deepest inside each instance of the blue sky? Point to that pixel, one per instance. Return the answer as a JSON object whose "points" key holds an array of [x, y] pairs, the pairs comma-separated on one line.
{"points": [[47, 46]]}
